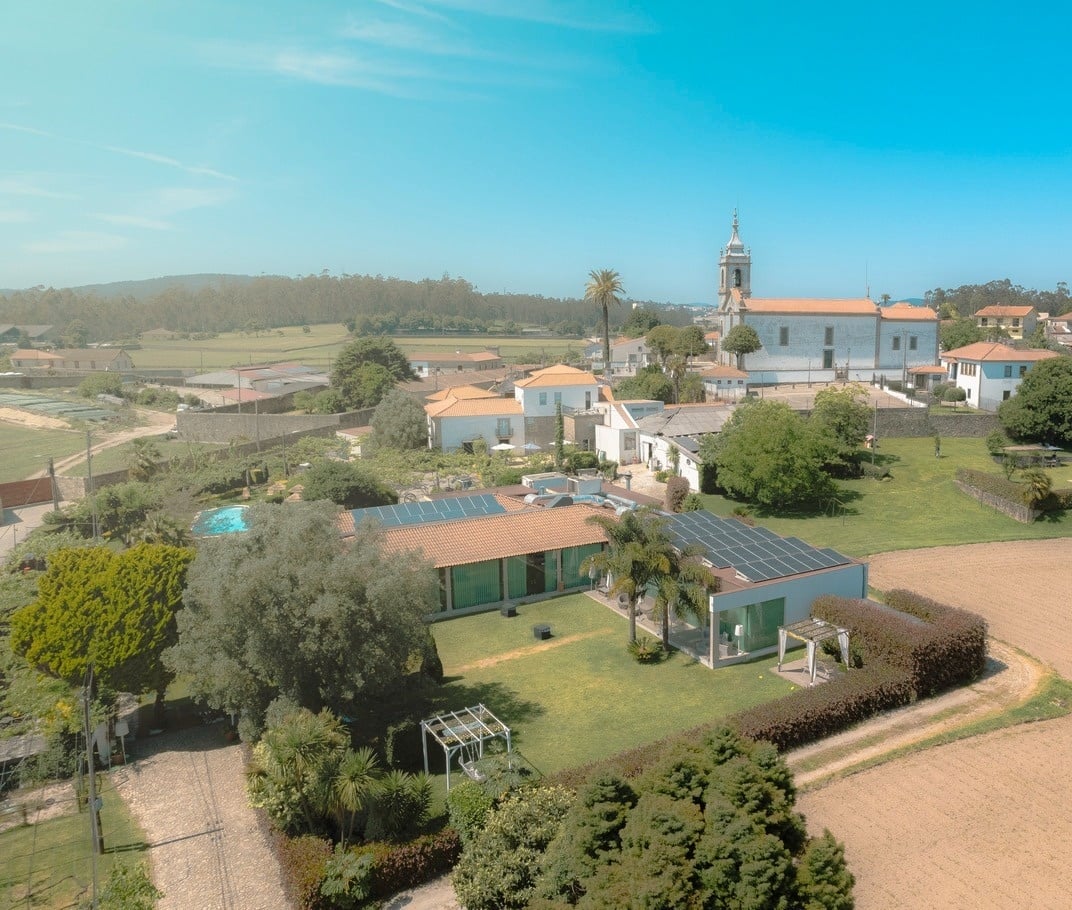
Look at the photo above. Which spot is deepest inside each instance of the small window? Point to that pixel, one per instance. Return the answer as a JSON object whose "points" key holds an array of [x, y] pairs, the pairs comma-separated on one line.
{"points": [[1008, 371], [912, 340], [982, 322], [828, 335], [783, 336], [1023, 371], [1006, 395], [736, 278], [897, 342], [543, 398], [1016, 323], [503, 429], [558, 398]]}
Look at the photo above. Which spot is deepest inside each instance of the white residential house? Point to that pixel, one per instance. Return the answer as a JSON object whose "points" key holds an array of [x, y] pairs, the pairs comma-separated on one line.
{"points": [[617, 438], [627, 356], [725, 383], [680, 429], [539, 393], [805, 339], [429, 363], [459, 416], [1019, 322], [989, 372]]}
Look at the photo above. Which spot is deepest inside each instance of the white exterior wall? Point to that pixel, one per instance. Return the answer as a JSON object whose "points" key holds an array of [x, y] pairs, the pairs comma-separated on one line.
{"points": [[617, 444], [456, 430], [800, 591], [572, 397], [726, 389], [893, 363], [803, 355], [987, 388]]}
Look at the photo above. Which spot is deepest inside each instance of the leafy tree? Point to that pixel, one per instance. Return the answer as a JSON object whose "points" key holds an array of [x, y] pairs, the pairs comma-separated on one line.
{"points": [[498, 868], [399, 423], [346, 484], [604, 288], [691, 342], [958, 332], [367, 368], [560, 436], [767, 454], [145, 458], [1041, 409], [288, 609], [664, 340], [75, 335], [712, 824], [741, 340], [116, 610], [641, 320], [641, 557], [120, 509], [845, 415], [101, 384], [650, 382]]}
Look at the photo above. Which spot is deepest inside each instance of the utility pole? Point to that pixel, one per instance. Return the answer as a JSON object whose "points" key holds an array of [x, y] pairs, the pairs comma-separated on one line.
{"points": [[94, 802], [55, 492], [89, 485]]}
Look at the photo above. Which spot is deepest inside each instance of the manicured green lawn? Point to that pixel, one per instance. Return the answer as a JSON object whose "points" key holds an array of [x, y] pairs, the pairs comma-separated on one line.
{"points": [[579, 696], [54, 856], [26, 449], [919, 507]]}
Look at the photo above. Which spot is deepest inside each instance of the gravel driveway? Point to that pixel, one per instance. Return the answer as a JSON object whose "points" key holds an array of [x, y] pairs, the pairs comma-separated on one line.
{"points": [[187, 791]]}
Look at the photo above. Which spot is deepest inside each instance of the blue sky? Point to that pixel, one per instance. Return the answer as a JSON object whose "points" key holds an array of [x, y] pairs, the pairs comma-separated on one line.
{"points": [[521, 144]]}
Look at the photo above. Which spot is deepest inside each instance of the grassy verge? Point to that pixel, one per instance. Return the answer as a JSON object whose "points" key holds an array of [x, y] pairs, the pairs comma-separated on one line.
{"points": [[580, 697], [919, 506], [27, 449], [49, 865], [1052, 698]]}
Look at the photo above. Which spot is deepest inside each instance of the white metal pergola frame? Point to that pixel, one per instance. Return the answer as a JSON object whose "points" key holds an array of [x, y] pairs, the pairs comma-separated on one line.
{"points": [[464, 731], [813, 631]]}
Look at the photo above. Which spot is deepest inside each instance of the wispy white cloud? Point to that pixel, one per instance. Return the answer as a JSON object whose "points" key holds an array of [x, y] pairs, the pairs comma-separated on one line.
{"points": [[13, 216], [138, 221], [545, 12], [165, 160], [418, 9], [77, 242], [22, 185]]}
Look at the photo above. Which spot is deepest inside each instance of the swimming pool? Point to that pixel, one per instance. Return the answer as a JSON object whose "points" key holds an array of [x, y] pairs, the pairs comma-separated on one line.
{"points": [[224, 520]]}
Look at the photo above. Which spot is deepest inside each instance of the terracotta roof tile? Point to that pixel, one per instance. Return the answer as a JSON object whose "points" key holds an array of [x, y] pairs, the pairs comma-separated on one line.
{"points": [[453, 357], [725, 371], [907, 311], [859, 307], [558, 375], [474, 407], [462, 392], [991, 351], [457, 543], [999, 310]]}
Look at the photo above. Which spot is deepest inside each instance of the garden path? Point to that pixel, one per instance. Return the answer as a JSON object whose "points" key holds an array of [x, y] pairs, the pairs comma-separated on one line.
{"points": [[207, 850]]}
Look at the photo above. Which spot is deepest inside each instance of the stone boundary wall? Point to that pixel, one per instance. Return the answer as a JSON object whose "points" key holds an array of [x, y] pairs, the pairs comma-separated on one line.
{"points": [[1015, 510], [223, 427]]}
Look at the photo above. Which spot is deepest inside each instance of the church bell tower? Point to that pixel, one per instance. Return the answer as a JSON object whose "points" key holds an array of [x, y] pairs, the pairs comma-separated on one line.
{"points": [[734, 270]]}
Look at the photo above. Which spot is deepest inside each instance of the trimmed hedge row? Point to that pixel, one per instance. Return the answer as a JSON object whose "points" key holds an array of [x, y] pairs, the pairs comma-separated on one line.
{"points": [[936, 646], [994, 484], [397, 867], [810, 714], [303, 861]]}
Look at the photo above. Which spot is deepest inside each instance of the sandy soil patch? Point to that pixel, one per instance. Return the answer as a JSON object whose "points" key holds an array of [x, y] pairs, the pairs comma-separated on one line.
{"points": [[979, 823], [29, 419], [525, 652]]}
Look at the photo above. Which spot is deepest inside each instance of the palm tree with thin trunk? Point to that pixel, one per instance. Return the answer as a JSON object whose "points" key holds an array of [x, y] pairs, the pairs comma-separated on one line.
{"points": [[641, 556], [604, 288]]}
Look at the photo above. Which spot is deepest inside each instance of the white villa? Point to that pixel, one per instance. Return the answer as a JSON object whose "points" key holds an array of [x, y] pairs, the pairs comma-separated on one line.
{"points": [[989, 372]]}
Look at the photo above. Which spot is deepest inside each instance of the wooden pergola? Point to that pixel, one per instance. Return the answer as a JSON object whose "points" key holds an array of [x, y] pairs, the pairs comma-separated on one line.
{"points": [[813, 632], [463, 732]]}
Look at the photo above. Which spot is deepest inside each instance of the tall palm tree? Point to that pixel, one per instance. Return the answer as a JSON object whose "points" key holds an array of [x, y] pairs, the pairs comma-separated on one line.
{"points": [[640, 556], [355, 781], [604, 288], [685, 593]]}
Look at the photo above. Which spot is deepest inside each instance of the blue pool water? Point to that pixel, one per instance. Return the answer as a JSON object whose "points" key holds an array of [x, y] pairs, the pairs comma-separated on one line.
{"points": [[225, 520]]}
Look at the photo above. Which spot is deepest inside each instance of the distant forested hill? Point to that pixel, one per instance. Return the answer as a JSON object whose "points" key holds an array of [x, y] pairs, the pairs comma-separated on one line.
{"points": [[227, 303]]}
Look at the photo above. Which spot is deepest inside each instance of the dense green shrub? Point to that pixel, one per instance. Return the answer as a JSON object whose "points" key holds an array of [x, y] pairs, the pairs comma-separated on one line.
{"points": [[936, 645], [402, 744], [398, 867], [303, 861], [347, 880], [646, 650], [468, 805], [807, 715], [662, 476], [875, 471], [677, 488], [692, 503]]}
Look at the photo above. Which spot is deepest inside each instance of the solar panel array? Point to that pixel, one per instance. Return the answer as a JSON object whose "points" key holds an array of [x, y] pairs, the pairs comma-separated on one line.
{"points": [[754, 552], [415, 513]]}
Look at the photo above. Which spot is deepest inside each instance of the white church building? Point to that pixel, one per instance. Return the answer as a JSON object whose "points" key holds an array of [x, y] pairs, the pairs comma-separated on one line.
{"points": [[820, 340]]}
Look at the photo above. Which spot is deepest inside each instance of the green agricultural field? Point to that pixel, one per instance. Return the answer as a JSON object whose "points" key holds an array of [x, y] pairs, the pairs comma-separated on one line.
{"points": [[26, 449], [580, 697], [323, 342], [54, 859], [920, 506], [119, 457]]}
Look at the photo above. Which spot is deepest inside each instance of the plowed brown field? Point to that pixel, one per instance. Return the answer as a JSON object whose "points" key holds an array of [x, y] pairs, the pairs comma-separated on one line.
{"points": [[983, 823]]}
